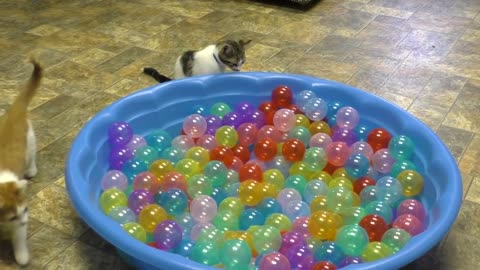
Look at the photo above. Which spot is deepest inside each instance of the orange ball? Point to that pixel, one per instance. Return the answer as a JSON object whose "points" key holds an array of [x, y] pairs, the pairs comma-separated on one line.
{"points": [[265, 149], [242, 152], [250, 171], [293, 150], [223, 154]]}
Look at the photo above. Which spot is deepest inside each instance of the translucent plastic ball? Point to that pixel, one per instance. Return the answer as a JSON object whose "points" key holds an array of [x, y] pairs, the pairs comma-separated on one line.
{"points": [[376, 251], [315, 109], [138, 199], [119, 134], [235, 254], [369, 194], [347, 117], [382, 161], [250, 171], [183, 143], [339, 198], [284, 120], [265, 149], [250, 192], [401, 147], [297, 209], [211, 234], [199, 185], [300, 133], [357, 165], [160, 167], [319, 203], [290, 239], [114, 178], [347, 136], [302, 121], [352, 239], [287, 195], [411, 181], [217, 172], [389, 189], [247, 133], [321, 140], [279, 163], [133, 167], [375, 226], [323, 265], [282, 96], [300, 257], [293, 150], [226, 221], [233, 204], [363, 148], [266, 238], [251, 217], [122, 214], [329, 251], [412, 207], [150, 216], [303, 97], [173, 180], [198, 228], [188, 167], [337, 153], [167, 235], [297, 182], [147, 154], [118, 156], [269, 206], [353, 215], [409, 223], [279, 221], [233, 119], [380, 208], [112, 198], [213, 122], [313, 189], [199, 154], [136, 142], [207, 141], [206, 253], [362, 131], [320, 127], [159, 139], [136, 231], [257, 118], [244, 108], [220, 109], [194, 125], [324, 225], [274, 261], [226, 136], [396, 238], [348, 260], [174, 201], [172, 154], [185, 221], [378, 138], [184, 248], [148, 181]]}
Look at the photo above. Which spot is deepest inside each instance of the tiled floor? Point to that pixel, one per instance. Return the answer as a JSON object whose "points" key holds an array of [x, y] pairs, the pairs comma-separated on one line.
{"points": [[423, 55]]}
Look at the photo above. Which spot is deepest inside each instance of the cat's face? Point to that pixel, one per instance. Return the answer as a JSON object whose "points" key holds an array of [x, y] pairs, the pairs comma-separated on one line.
{"points": [[232, 53], [13, 201]]}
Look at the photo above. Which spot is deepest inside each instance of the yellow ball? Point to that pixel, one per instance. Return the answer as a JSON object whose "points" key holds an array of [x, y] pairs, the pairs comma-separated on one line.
{"points": [[199, 154], [150, 216], [250, 192], [324, 225], [188, 167], [301, 168], [341, 182], [160, 167], [233, 204], [279, 221], [226, 136], [274, 177], [320, 127], [321, 175], [376, 251], [136, 231], [412, 182], [302, 120], [341, 172], [319, 203], [112, 198]]}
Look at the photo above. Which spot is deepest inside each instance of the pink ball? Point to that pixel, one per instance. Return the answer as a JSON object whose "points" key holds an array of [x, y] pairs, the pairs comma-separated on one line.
{"points": [[347, 117], [203, 208], [337, 153], [136, 142], [146, 180], [183, 143], [320, 140], [274, 261], [382, 161], [363, 148], [237, 163], [284, 119], [247, 133], [412, 207], [116, 179], [195, 125], [300, 225], [271, 132], [207, 141], [287, 195], [409, 223]]}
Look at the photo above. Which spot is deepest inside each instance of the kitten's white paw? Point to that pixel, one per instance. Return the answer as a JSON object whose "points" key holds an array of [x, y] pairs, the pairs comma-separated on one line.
{"points": [[22, 257], [31, 171]]}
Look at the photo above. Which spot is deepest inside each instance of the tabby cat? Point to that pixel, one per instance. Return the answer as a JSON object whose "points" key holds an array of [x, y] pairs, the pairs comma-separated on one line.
{"points": [[17, 162], [212, 59]]}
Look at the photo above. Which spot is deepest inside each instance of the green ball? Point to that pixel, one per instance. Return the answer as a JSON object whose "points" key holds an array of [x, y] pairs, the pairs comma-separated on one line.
{"points": [[226, 136], [279, 221], [353, 215], [220, 109], [235, 255], [136, 231], [401, 147], [211, 234], [297, 182], [199, 185], [352, 239], [226, 220], [205, 252], [376, 251], [300, 133], [232, 204], [147, 154], [339, 198], [217, 172], [112, 198], [316, 158], [396, 238], [188, 167], [402, 165], [267, 238]]}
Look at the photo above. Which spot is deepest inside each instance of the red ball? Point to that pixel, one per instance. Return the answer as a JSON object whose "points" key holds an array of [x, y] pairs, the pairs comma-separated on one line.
{"points": [[265, 149], [324, 265], [375, 226], [250, 171], [269, 117], [294, 108], [242, 152], [267, 107], [293, 150], [282, 96], [378, 138], [223, 154], [362, 183]]}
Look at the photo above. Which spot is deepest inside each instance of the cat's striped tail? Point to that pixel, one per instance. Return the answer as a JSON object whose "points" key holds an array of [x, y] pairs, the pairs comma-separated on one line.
{"points": [[156, 75]]}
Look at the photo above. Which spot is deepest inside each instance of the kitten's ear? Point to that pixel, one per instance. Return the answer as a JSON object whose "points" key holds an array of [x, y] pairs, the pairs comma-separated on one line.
{"points": [[244, 43], [227, 50], [22, 186]]}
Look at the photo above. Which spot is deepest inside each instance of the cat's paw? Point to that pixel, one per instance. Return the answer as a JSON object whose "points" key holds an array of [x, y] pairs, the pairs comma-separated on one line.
{"points": [[31, 171], [22, 257]]}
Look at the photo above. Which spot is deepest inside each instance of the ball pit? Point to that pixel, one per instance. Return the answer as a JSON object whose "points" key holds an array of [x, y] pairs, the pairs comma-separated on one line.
{"points": [[93, 151]]}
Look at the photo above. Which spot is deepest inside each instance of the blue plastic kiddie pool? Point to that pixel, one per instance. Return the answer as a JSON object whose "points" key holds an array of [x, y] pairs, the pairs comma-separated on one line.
{"points": [[166, 105]]}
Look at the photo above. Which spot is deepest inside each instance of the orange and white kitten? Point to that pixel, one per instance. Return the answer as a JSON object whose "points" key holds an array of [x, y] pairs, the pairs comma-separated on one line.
{"points": [[17, 161]]}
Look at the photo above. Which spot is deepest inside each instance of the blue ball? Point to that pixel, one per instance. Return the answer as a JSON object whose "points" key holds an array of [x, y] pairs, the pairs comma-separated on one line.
{"points": [[329, 251], [184, 248], [362, 131], [174, 201], [380, 208], [133, 167], [219, 194], [357, 165], [251, 217], [269, 206], [159, 139]]}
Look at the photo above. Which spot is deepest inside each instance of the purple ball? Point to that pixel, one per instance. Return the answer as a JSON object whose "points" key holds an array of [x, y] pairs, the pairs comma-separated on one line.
{"points": [[167, 235], [233, 119], [300, 257], [256, 117], [213, 122], [244, 108], [140, 198], [118, 156], [291, 239], [350, 260], [119, 134], [347, 136]]}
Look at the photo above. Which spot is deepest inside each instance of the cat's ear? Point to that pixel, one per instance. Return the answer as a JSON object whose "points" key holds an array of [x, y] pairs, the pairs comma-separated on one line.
{"points": [[227, 50], [244, 43], [22, 186]]}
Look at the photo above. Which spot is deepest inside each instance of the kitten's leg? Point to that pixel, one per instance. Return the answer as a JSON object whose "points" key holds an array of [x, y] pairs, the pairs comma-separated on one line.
{"points": [[31, 152], [19, 240]]}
